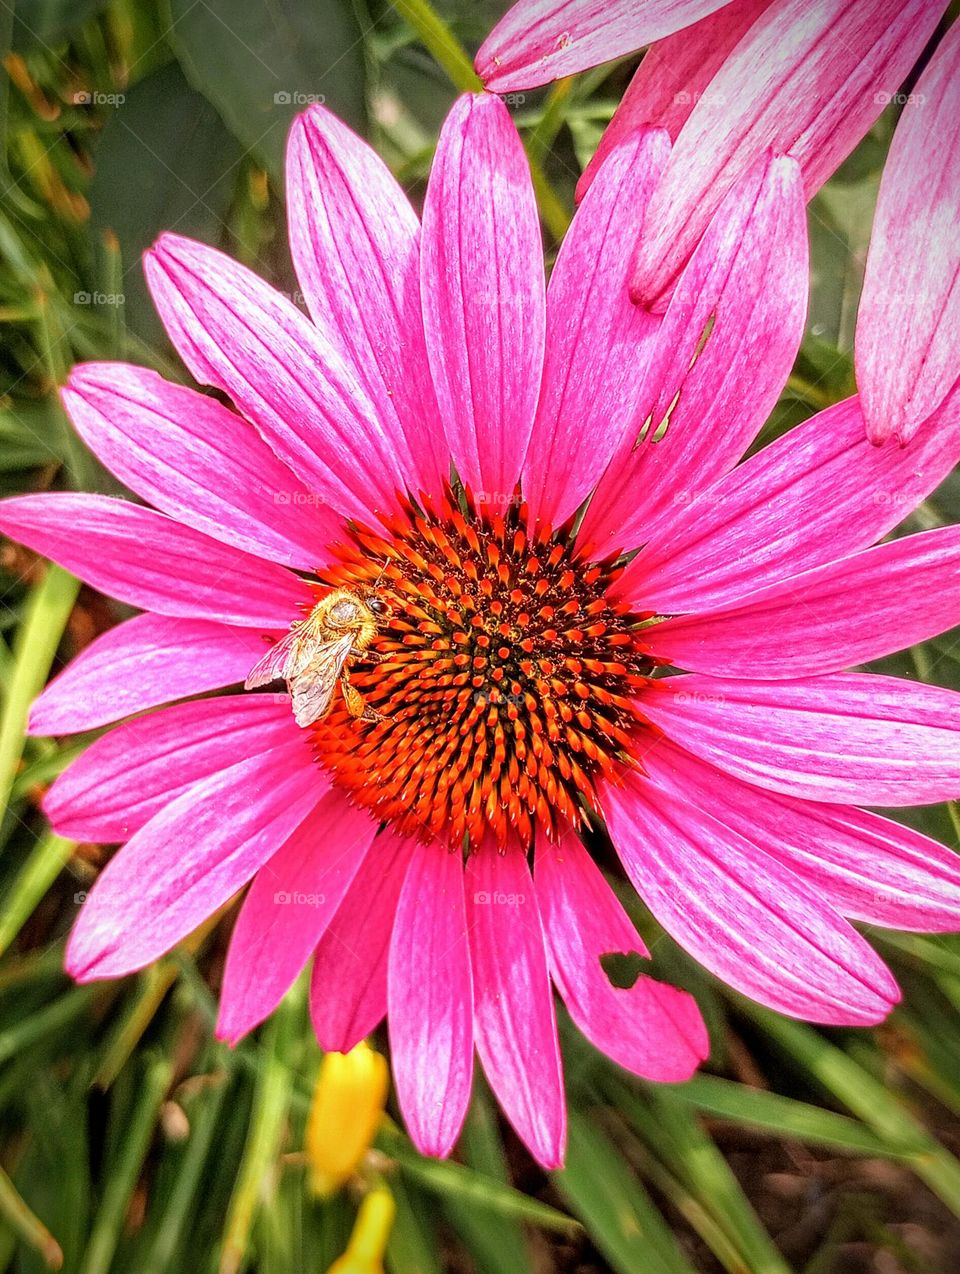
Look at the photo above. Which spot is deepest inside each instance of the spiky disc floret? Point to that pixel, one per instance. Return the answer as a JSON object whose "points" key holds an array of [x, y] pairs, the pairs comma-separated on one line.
{"points": [[507, 676]]}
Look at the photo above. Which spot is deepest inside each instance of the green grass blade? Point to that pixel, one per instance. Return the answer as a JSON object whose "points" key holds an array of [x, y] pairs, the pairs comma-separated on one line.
{"points": [[171, 1225], [441, 42], [263, 1138], [122, 1180], [672, 1131], [38, 637], [860, 1092], [45, 863], [32, 1230]]}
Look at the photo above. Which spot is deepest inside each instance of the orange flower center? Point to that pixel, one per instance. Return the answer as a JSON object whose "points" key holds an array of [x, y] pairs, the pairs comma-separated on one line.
{"points": [[506, 678]]}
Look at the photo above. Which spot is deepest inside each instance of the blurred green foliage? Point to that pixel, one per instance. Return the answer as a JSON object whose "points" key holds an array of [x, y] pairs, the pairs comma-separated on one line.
{"points": [[130, 1141]]}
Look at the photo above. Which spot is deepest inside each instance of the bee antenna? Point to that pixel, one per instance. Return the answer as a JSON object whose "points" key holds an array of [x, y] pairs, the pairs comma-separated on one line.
{"points": [[383, 571]]}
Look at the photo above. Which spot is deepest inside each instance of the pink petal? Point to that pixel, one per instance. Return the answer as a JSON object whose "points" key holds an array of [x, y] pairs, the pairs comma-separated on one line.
{"points": [[850, 738], [542, 40], [288, 907], [864, 866], [743, 915], [653, 1030], [807, 81], [147, 559], [130, 774], [820, 492], [143, 662], [483, 293], [190, 859], [907, 363], [354, 239], [746, 288], [190, 457], [828, 618], [514, 1022], [597, 339], [430, 992], [348, 989], [673, 76], [237, 333]]}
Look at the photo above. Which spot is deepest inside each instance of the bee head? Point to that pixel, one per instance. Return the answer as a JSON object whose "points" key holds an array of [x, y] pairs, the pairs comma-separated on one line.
{"points": [[377, 605]]}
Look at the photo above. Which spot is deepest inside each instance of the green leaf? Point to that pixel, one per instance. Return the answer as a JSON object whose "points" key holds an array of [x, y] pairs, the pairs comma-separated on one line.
{"points": [[44, 22], [785, 1116], [260, 65], [413, 1240], [620, 1217], [29, 434], [165, 161], [453, 1180], [498, 1249]]}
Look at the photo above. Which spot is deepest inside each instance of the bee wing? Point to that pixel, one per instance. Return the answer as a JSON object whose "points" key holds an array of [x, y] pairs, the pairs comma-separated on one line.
{"points": [[312, 688], [277, 662]]}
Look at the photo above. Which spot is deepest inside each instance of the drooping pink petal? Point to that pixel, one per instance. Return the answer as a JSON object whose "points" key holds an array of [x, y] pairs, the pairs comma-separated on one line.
{"points": [[742, 914], [237, 333], [851, 738], [651, 1029], [598, 341], [348, 988], [143, 662], [673, 76], [288, 906], [130, 774], [147, 559], [828, 618], [806, 80], [816, 494], [354, 238], [482, 291], [906, 342], [430, 993], [866, 867], [542, 40], [719, 361], [514, 1022], [192, 458], [189, 859]]}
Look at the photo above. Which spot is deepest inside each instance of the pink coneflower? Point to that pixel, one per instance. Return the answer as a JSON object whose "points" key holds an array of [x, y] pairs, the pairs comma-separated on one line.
{"points": [[802, 78], [420, 838]]}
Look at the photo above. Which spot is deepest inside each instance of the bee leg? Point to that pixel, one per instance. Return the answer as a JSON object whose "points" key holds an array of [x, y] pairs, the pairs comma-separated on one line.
{"points": [[364, 657]]}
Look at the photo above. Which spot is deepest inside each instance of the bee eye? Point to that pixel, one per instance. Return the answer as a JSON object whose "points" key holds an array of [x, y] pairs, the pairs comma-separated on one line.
{"points": [[377, 606]]}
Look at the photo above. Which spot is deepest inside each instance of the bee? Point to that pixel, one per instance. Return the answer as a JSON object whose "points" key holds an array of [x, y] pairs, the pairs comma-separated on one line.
{"points": [[312, 658]]}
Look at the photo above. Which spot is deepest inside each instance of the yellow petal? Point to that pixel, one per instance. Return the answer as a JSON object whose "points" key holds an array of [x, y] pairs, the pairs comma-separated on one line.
{"points": [[371, 1233], [347, 1108]]}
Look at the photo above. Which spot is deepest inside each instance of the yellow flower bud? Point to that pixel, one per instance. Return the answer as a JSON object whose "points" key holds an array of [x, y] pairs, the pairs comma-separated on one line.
{"points": [[371, 1232], [347, 1108]]}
